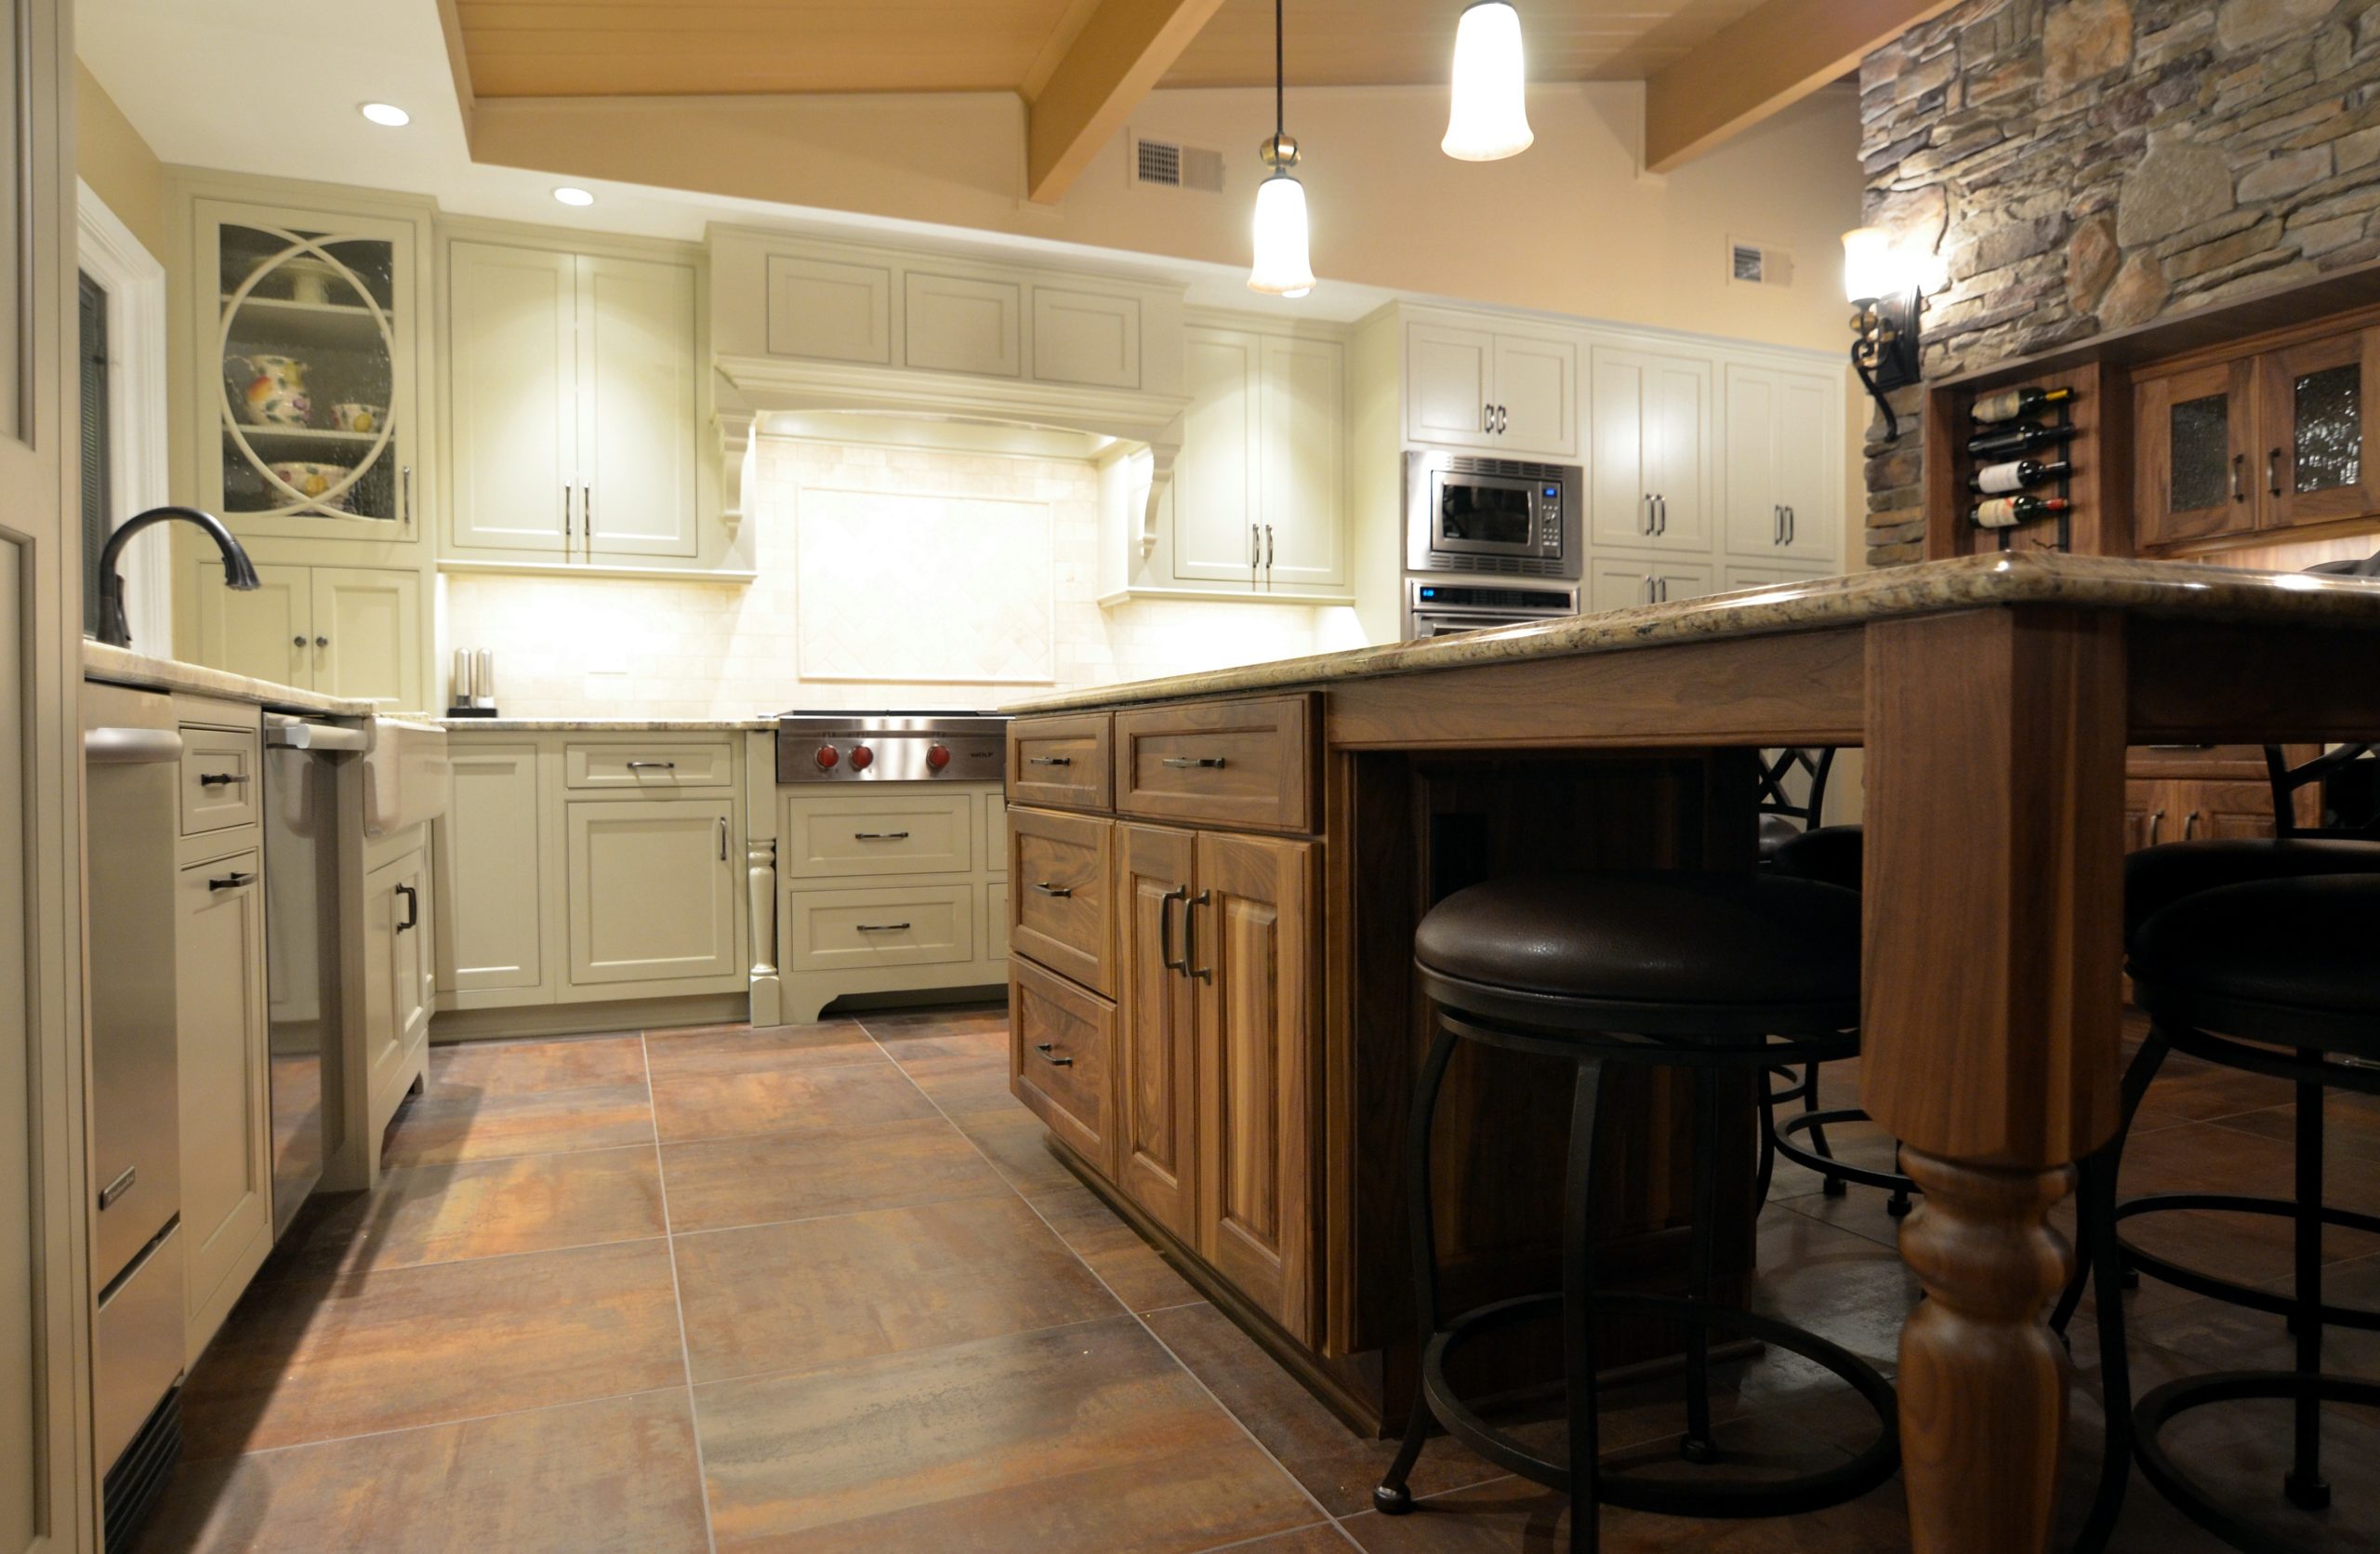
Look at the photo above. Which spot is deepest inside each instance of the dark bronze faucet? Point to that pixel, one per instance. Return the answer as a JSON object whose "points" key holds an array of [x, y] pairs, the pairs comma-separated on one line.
{"points": [[238, 571]]}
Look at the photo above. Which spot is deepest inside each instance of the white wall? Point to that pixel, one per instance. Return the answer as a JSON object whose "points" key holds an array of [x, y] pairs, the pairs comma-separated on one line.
{"points": [[573, 647]]}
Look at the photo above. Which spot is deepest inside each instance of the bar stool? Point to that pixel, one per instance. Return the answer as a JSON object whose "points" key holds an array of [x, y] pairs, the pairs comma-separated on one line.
{"points": [[1717, 972], [2271, 976]]}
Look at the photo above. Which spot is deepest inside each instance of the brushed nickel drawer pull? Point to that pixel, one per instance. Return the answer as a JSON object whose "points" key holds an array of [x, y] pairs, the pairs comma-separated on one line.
{"points": [[880, 836], [1049, 760], [118, 1187], [652, 765], [1046, 888], [220, 779], [884, 927], [232, 881], [1192, 762], [1048, 1051]]}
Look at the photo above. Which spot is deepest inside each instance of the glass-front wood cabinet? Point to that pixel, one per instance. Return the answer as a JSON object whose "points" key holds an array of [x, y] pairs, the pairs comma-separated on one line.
{"points": [[2278, 440]]}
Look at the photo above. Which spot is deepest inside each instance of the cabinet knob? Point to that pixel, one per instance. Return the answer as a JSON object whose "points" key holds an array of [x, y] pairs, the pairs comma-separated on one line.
{"points": [[322, 642], [297, 642]]}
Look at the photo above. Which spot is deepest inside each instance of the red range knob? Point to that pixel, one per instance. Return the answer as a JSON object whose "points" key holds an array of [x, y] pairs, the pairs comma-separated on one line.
{"points": [[828, 756], [862, 758], [937, 756]]}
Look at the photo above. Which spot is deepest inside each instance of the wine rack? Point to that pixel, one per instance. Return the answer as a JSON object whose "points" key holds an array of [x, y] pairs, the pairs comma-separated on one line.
{"points": [[2095, 487]]}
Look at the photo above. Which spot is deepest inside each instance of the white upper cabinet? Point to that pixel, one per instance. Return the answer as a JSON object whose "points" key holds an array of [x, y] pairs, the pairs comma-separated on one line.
{"points": [[1089, 338], [1510, 393], [1650, 476], [572, 404], [833, 312], [343, 631], [960, 323], [1784, 464], [1260, 495]]}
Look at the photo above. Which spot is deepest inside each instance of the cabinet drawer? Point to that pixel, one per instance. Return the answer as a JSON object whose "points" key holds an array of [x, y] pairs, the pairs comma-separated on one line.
{"points": [[1061, 762], [692, 764], [218, 778], [1060, 1044], [840, 834], [891, 925], [1240, 763], [1058, 872], [994, 834]]}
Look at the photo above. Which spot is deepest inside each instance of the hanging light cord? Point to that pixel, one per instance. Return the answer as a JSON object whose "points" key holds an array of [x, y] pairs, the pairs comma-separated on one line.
{"points": [[1280, 118]]}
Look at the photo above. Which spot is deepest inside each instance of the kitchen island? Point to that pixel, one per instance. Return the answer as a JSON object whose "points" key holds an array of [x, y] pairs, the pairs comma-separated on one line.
{"points": [[1219, 876]]}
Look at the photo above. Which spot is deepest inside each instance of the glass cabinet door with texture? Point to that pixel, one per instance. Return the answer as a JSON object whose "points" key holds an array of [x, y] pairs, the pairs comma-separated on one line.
{"points": [[2196, 431], [308, 376], [2316, 464]]}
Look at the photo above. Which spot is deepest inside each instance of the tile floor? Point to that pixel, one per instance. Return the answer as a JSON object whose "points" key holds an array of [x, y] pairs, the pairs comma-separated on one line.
{"points": [[822, 1288]]}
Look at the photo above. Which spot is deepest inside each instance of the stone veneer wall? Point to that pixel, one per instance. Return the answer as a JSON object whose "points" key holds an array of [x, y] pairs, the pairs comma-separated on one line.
{"points": [[2083, 166]]}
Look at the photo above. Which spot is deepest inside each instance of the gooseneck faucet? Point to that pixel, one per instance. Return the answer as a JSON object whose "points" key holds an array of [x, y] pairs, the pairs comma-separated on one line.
{"points": [[115, 628]]}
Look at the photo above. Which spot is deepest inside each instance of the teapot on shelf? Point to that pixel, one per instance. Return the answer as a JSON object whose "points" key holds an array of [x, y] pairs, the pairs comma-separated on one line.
{"points": [[269, 391]]}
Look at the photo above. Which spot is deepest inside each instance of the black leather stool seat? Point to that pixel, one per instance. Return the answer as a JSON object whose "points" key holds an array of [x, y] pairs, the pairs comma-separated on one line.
{"points": [[2307, 950], [1830, 854], [1703, 947], [2155, 878]]}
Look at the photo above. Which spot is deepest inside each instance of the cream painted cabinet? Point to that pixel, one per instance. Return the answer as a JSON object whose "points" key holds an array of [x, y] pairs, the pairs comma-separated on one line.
{"points": [[652, 890], [1617, 582], [344, 630], [1509, 393], [1260, 495], [221, 1056], [572, 393], [491, 856], [1649, 481], [1784, 464], [396, 998]]}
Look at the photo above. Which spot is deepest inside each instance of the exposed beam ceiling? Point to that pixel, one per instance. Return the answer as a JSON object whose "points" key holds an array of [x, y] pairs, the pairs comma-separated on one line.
{"points": [[1775, 54], [1124, 47]]}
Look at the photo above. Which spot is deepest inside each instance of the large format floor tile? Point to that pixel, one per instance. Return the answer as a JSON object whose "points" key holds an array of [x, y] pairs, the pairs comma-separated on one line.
{"points": [[757, 1049], [460, 1122], [518, 1068], [1013, 1138], [1086, 1440], [318, 1358], [442, 1214], [817, 1292], [617, 1476], [713, 1104], [1126, 1264], [718, 1183]]}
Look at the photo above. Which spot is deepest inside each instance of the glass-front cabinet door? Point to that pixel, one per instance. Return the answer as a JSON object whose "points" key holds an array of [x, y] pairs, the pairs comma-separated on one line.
{"points": [[307, 374], [2195, 431], [2318, 459]]}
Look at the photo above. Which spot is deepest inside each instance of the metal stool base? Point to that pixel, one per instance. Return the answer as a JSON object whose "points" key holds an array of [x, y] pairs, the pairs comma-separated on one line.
{"points": [[2162, 1404]]}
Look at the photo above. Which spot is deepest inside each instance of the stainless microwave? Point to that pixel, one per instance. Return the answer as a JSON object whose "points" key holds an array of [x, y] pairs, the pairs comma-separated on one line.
{"points": [[1496, 516]]}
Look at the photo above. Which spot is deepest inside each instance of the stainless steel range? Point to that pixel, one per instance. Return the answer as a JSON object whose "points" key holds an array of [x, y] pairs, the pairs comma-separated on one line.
{"points": [[890, 747]]}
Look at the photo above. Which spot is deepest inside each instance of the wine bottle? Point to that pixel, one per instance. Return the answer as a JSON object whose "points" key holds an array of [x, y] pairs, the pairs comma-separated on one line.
{"points": [[2009, 403], [2013, 442], [1997, 480], [2006, 513]]}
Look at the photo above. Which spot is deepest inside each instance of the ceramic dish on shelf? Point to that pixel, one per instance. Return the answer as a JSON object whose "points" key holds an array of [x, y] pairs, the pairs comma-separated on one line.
{"points": [[366, 418], [310, 481], [312, 281], [267, 390]]}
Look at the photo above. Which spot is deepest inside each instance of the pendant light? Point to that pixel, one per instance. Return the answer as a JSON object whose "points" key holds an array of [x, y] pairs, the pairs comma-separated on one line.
{"points": [[1282, 267], [1489, 120]]}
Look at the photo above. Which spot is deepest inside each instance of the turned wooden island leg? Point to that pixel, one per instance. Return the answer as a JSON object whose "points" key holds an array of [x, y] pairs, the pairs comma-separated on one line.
{"points": [[1993, 928]]}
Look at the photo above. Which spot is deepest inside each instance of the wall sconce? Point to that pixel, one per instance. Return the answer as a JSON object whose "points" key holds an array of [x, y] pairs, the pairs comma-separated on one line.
{"points": [[1882, 286]]}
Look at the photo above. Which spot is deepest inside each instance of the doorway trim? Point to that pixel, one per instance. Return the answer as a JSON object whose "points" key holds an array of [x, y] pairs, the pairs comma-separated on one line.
{"points": [[135, 281]]}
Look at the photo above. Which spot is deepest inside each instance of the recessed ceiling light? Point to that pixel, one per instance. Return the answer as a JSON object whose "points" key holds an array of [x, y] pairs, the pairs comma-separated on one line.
{"points": [[387, 114], [568, 195]]}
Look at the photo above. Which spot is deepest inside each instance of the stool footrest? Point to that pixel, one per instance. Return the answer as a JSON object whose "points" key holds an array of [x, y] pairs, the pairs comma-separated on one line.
{"points": [[1693, 1495], [2161, 1404], [1834, 1166], [2277, 1303]]}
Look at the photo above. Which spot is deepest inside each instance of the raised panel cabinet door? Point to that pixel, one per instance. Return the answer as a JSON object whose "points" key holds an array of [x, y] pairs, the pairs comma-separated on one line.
{"points": [[265, 633], [367, 635], [636, 407], [490, 880], [1450, 384], [959, 324], [1302, 477], [2196, 431], [1753, 500], [1157, 1053], [1061, 914], [1809, 465], [1537, 396], [2146, 807], [221, 1052], [1615, 584], [1249, 945], [652, 890], [2316, 424], [1619, 509], [1085, 336], [511, 396], [411, 975], [1674, 582], [1678, 406], [1215, 499], [835, 312], [382, 1044], [1061, 1060]]}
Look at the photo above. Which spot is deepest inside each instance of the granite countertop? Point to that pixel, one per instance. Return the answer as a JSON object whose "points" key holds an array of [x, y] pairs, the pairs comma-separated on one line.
{"points": [[2164, 588], [605, 726], [120, 666]]}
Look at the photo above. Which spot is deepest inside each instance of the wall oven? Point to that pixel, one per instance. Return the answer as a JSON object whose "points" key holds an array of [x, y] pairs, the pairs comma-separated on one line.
{"points": [[1440, 609], [1496, 516]]}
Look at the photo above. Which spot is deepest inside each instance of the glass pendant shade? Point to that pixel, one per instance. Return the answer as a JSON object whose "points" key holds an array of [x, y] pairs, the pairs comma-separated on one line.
{"points": [[1867, 264], [1490, 116], [1282, 268]]}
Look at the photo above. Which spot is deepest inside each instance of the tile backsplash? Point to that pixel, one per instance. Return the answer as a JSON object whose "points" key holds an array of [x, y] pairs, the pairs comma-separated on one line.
{"points": [[979, 588]]}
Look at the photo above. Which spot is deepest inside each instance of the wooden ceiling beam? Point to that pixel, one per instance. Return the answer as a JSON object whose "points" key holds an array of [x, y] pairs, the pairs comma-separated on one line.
{"points": [[1124, 47], [1773, 57]]}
